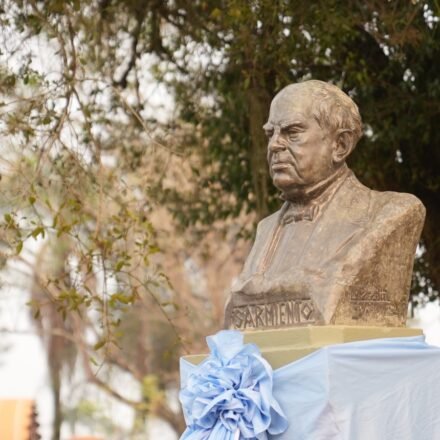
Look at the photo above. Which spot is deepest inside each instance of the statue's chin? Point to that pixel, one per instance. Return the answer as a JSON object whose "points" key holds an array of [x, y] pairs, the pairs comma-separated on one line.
{"points": [[286, 183], [288, 186], [293, 187], [295, 191]]}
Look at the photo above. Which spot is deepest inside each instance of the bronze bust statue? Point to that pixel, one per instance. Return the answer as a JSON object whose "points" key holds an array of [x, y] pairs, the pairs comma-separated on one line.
{"points": [[336, 252]]}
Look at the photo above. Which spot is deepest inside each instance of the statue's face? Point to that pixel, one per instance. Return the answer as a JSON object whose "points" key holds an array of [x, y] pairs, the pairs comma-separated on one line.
{"points": [[299, 150]]}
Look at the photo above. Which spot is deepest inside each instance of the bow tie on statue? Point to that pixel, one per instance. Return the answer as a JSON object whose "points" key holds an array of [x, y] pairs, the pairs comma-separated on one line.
{"points": [[297, 212]]}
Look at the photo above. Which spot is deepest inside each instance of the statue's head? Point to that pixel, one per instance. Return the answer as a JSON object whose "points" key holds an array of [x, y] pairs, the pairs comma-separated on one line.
{"points": [[313, 126]]}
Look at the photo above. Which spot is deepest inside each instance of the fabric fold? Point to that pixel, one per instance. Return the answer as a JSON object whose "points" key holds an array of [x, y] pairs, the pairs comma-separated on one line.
{"points": [[380, 389], [229, 395]]}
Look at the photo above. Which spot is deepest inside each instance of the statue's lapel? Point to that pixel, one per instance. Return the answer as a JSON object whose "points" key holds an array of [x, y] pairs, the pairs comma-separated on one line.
{"points": [[339, 225]]}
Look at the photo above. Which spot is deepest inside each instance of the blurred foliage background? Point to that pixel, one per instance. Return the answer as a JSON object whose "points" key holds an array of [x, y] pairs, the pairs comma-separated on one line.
{"points": [[133, 166]]}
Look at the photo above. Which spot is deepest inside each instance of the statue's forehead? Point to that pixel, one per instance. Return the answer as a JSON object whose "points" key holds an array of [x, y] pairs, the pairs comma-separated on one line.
{"points": [[286, 109], [288, 115]]}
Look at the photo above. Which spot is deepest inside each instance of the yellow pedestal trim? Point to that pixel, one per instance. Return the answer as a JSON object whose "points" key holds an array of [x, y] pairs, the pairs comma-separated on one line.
{"points": [[282, 346]]}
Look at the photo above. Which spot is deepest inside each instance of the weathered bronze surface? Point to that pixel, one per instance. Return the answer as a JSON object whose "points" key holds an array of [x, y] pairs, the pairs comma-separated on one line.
{"points": [[336, 252]]}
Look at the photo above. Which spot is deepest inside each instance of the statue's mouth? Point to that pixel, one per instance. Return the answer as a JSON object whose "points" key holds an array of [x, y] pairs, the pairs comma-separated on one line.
{"points": [[279, 166]]}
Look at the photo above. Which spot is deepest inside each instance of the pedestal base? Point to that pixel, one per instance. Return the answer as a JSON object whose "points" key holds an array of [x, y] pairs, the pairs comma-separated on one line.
{"points": [[282, 346]]}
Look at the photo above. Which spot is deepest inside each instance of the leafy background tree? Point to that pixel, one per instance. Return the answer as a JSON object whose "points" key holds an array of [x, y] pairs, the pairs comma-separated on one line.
{"points": [[125, 198]]}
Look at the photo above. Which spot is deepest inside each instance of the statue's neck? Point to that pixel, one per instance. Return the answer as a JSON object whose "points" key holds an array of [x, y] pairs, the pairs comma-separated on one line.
{"points": [[313, 193]]}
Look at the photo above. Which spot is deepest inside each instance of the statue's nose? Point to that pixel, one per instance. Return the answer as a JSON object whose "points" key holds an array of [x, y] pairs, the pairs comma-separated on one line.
{"points": [[276, 144]]}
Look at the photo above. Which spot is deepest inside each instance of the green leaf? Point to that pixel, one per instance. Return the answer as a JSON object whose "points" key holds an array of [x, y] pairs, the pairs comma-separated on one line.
{"points": [[39, 230], [37, 313], [120, 297], [216, 13], [19, 247], [153, 249], [64, 229], [99, 344], [119, 265]]}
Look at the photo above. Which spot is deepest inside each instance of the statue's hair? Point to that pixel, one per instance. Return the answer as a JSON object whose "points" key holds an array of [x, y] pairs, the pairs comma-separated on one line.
{"points": [[332, 108]]}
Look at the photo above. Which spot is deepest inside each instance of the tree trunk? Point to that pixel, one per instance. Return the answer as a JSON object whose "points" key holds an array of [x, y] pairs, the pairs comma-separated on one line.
{"points": [[55, 375], [258, 105]]}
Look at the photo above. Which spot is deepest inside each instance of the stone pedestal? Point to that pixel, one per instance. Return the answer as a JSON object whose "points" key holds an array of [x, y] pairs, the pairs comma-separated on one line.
{"points": [[282, 346]]}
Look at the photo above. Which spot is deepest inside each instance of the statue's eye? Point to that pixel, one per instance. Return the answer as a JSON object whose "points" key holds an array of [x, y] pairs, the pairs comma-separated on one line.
{"points": [[269, 133], [292, 134]]}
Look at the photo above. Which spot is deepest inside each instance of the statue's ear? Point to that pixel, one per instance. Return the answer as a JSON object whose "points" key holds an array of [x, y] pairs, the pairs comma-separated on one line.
{"points": [[343, 145]]}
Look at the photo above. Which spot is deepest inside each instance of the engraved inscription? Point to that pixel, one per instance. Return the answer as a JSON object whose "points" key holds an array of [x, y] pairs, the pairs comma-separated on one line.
{"points": [[373, 310], [369, 296], [373, 305], [277, 314]]}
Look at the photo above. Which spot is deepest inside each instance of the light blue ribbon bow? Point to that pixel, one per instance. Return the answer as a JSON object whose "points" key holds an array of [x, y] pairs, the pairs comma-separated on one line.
{"points": [[229, 395]]}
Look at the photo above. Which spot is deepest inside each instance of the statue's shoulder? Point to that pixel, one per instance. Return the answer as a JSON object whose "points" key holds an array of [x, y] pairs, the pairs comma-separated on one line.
{"points": [[389, 203], [399, 204]]}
